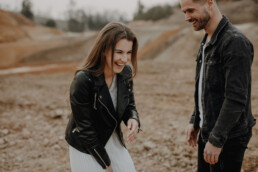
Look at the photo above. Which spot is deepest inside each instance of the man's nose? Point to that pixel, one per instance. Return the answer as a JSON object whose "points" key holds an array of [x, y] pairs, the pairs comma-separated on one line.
{"points": [[187, 17]]}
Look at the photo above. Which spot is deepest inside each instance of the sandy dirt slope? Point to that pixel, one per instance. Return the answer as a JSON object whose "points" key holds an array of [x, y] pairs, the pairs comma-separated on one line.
{"points": [[21, 41]]}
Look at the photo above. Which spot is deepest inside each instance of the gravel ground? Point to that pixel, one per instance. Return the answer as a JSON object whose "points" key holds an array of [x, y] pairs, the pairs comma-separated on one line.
{"points": [[34, 112]]}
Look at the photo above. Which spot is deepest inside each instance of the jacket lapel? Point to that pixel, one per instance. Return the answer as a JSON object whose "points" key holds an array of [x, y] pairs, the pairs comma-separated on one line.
{"points": [[122, 97], [105, 98], [122, 93], [103, 94]]}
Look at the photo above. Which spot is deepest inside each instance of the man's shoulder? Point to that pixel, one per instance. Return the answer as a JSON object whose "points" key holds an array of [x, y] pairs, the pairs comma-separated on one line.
{"points": [[232, 33]]}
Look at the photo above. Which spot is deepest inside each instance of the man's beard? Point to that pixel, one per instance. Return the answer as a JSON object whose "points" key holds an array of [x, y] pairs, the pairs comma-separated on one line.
{"points": [[203, 21]]}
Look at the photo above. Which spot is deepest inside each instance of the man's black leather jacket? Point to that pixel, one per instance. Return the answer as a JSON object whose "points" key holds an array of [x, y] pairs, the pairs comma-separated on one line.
{"points": [[226, 89], [93, 118]]}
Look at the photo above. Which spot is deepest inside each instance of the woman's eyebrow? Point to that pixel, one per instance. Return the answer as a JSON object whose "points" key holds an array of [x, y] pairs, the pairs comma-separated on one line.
{"points": [[118, 50]]}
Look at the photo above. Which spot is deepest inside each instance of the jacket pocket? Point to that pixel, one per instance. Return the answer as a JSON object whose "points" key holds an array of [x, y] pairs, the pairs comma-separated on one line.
{"points": [[214, 74]]}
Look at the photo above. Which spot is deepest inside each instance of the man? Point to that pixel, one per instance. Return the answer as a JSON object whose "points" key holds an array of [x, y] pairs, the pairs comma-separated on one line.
{"points": [[222, 92]]}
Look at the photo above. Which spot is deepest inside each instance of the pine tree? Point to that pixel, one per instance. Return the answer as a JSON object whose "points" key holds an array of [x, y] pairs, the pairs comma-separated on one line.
{"points": [[26, 9]]}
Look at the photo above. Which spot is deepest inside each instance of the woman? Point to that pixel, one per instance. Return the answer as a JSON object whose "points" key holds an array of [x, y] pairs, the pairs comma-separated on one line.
{"points": [[101, 96]]}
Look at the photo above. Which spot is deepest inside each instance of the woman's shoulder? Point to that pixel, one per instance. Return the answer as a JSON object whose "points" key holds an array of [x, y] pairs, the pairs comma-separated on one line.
{"points": [[83, 76]]}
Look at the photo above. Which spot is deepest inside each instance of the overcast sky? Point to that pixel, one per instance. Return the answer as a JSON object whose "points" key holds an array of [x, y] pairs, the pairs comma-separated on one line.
{"points": [[58, 8]]}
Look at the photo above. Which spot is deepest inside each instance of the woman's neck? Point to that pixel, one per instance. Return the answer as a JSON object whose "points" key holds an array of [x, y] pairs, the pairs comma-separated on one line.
{"points": [[109, 75]]}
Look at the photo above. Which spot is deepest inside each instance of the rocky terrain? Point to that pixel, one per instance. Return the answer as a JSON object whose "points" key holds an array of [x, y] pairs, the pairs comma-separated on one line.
{"points": [[36, 69]]}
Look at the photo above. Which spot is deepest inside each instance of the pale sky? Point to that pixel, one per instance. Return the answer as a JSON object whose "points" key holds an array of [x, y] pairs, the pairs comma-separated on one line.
{"points": [[59, 8]]}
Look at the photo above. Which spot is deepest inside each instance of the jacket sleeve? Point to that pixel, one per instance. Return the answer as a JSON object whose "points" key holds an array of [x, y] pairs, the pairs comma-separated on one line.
{"points": [[193, 120], [82, 110], [131, 112], [238, 57]]}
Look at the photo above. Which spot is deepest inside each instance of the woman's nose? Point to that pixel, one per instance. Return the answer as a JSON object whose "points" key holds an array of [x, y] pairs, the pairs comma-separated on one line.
{"points": [[124, 58]]}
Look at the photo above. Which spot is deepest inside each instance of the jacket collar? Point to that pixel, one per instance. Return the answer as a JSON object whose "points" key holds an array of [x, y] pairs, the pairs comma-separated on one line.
{"points": [[122, 92], [223, 22], [99, 80], [124, 75]]}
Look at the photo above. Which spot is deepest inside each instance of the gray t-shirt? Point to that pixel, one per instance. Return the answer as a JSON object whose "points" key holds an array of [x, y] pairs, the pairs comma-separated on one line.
{"points": [[200, 88], [113, 92]]}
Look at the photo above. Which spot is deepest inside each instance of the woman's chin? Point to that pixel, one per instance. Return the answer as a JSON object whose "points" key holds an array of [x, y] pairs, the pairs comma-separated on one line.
{"points": [[118, 69]]}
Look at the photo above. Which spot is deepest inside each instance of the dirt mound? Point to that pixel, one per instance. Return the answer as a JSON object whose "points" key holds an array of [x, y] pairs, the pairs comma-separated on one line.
{"points": [[10, 26], [242, 11], [13, 19], [15, 27], [24, 42]]}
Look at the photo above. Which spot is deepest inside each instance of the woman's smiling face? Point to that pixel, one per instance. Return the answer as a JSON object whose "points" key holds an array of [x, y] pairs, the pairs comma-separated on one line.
{"points": [[122, 55]]}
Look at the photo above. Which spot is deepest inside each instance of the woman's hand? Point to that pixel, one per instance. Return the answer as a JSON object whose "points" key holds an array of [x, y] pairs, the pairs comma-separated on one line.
{"points": [[132, 125], [109, 169]]}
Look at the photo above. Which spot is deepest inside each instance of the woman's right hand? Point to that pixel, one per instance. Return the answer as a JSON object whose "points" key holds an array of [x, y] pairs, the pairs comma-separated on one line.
{"points": [[109, 169]]}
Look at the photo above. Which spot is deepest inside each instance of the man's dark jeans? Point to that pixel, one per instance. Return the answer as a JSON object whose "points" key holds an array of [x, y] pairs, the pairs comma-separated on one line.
{"points": [[231, 157]]}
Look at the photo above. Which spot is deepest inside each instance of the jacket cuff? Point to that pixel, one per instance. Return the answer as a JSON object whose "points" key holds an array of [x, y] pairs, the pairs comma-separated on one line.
{"points": [[216, 141], [133, 115], [192, 119], [101, 156]]}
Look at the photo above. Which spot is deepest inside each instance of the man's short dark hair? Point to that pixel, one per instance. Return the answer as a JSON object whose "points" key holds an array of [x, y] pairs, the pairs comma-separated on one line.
{"points": [[201, 1]]}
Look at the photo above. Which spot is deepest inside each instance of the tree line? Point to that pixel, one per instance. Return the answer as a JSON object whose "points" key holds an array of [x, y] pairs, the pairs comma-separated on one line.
{"points": [[79, 21]]}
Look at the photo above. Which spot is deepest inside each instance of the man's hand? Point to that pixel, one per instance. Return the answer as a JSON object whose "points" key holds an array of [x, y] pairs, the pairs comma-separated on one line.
{"points": [[192, 135], [211, 153], [109, 169], [132, 125]]}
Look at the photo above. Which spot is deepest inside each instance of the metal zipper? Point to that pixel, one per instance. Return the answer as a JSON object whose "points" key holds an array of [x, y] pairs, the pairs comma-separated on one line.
{"points": [[75, 130], [95, 97], [100, 157], [109, 114], [112, 132]]}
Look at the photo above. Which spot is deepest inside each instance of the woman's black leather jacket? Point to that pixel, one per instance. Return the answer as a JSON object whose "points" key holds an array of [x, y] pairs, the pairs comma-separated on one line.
{"points": [[93, 118]]}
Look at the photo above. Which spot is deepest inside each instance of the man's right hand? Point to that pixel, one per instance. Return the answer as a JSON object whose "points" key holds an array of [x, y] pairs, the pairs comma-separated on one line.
{"points": [[109, 169], [192, 135]]}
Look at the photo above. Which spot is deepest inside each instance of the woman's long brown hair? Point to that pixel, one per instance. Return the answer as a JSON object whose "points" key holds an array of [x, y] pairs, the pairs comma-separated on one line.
{"points": [[106, 40]]}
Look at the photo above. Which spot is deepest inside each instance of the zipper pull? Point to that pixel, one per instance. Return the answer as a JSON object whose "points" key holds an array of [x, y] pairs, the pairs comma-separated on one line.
{"points": [[75, 130], [95, 100]]}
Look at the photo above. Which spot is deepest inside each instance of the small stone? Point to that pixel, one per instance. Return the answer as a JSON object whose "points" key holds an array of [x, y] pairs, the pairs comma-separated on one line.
{"points": [[59, 112], [149, 145], [45, 142], [18, 158], [56, 147], [28, 117], [2, 141], [25, 131], [12, 143], [5, 131]]}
